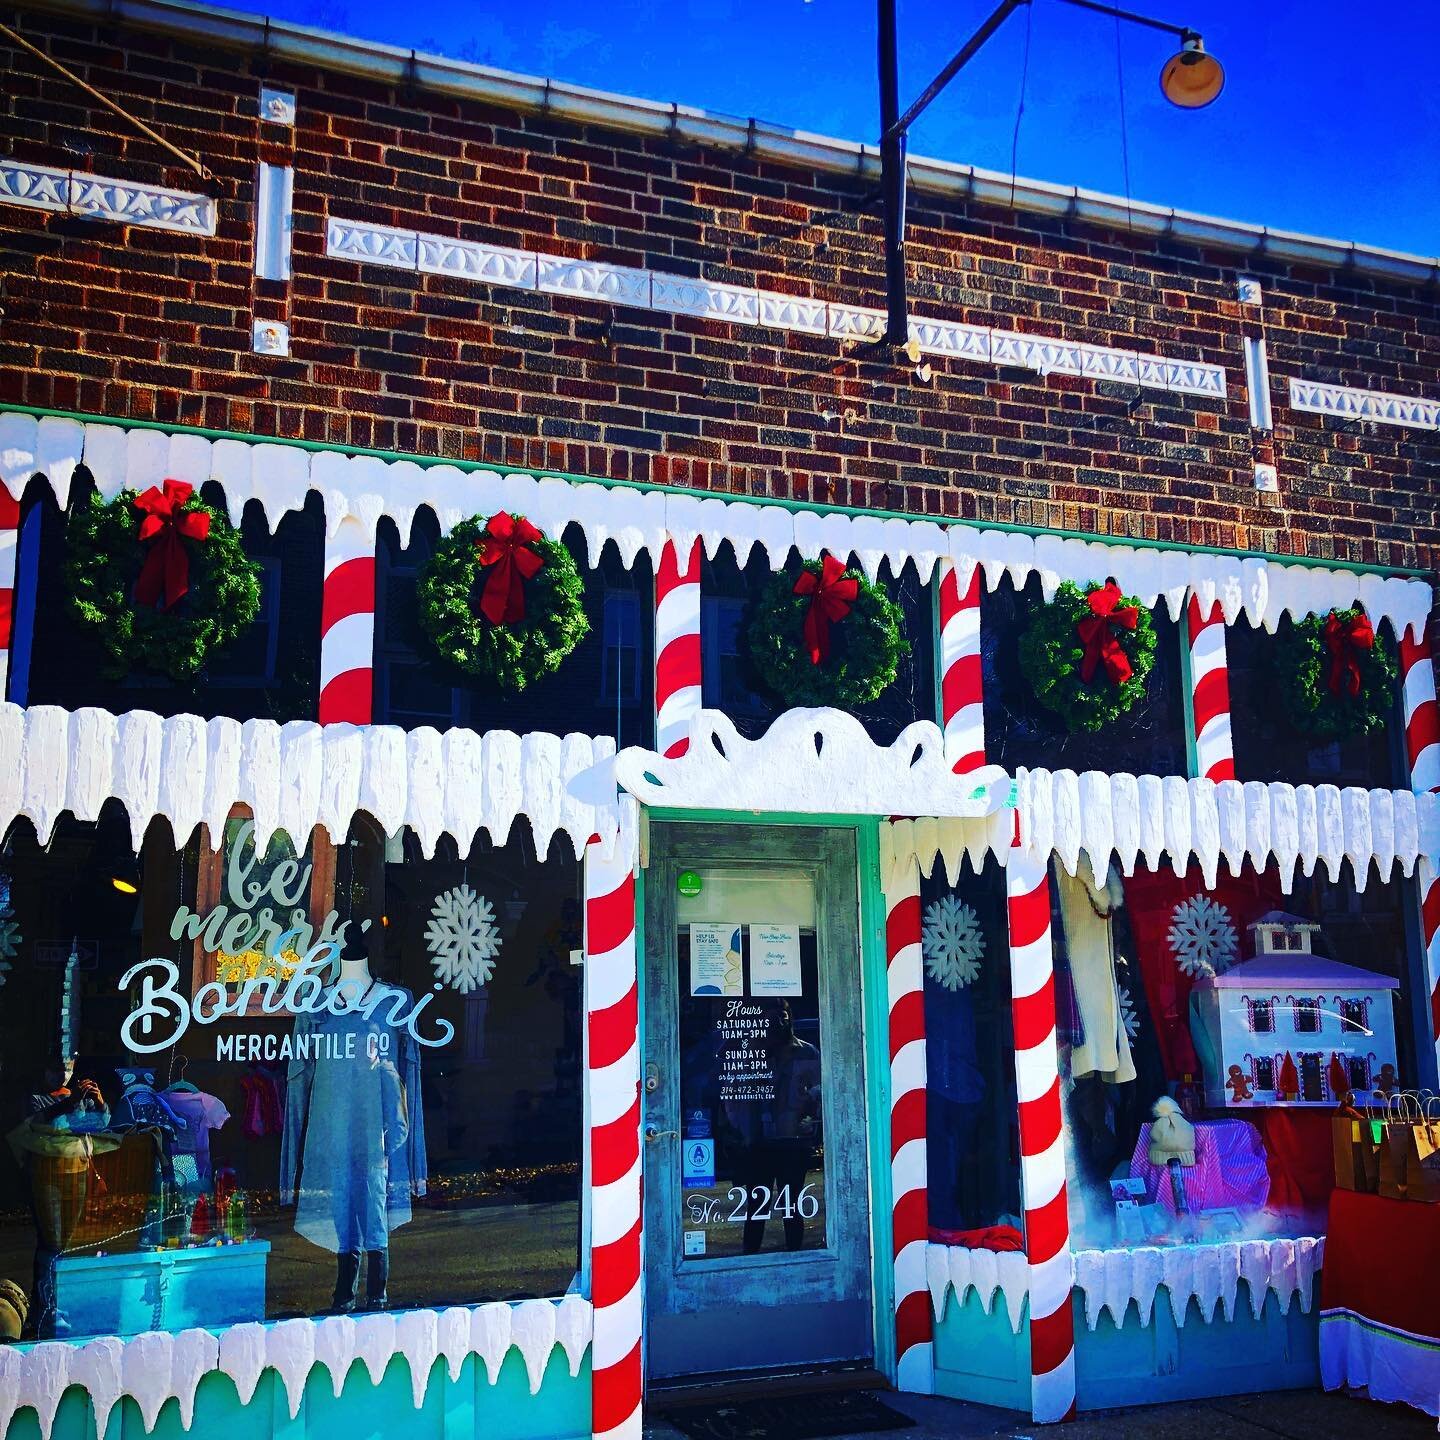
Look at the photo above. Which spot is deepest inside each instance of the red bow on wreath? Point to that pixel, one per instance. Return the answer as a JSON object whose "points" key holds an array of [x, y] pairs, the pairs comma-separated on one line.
{"points": [[831, 596], [1345, 639], [1097, 634], [165, 575], [505, 547]]}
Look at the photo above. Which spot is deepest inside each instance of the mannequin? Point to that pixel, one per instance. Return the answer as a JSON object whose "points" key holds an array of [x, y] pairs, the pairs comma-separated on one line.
{"points": [[353, 1149]]}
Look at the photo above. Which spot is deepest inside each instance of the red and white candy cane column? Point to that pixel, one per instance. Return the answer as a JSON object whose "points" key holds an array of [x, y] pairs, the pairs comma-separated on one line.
{"points": [[1042, 1149], [347, 626], [677, 648], [613, 1079], [914, 1326], [9, 528], [962, 698], [1422, 745], [1209, 692]]}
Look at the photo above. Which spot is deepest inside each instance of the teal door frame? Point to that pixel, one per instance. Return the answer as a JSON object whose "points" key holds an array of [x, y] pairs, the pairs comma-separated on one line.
{"points": [[875, 1012]]}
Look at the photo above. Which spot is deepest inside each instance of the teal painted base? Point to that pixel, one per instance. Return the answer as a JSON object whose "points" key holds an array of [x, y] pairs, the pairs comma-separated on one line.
{"points": [[471, 1408], [978, 1357], [1159, 1362]]}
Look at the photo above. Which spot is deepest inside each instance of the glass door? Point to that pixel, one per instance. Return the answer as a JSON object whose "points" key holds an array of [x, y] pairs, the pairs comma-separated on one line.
{"points": [[757, 1215]]}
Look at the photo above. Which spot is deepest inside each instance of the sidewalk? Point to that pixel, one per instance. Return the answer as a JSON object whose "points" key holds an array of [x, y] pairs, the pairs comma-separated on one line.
{"points": [[1291, 1414]]}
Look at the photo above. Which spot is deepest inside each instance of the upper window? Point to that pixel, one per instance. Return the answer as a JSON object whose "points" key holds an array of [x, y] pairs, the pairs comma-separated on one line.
{"points": [[603, 687], [1269, 742], [270, 671], [1148, 739], [733, 684]]}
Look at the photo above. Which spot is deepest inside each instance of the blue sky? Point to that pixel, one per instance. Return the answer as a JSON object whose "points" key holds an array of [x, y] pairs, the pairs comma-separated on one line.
{"points": [[1330, 120]]}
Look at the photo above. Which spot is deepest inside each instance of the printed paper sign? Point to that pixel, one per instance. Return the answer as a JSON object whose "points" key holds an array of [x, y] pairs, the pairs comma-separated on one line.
{"points": [[775, 960], [699, 1163], [715, 958], [694, 1242]]}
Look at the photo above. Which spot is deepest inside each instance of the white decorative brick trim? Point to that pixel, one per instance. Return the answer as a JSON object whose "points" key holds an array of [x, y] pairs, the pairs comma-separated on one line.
{"points": [[743, 305], [1349, 403], [379, 244], [856, 322], [594, 280], [949, 337], [793, 312], [39, 186], [739, 304], [100, 197], [495, 264]]}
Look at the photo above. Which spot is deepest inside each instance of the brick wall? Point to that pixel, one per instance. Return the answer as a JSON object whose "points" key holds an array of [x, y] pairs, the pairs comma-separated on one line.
{"points": [[133, 322]]}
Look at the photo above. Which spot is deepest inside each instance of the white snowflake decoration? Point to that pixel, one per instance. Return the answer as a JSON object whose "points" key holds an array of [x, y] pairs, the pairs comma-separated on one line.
{"points": [[953, 942], [1202, 936], [9, 942], [462, 939], [1128, 1018]]}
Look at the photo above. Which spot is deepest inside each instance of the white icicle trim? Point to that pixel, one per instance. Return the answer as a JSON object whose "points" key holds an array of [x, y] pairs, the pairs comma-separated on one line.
{"points": [[300, 774], [1111, 1279], [1208, 1274], [952, 1267], [158, 1366], [1148, 818], [639, 521]]}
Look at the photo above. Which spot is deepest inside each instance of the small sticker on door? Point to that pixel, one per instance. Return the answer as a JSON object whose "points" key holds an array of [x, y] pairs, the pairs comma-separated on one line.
{"points": [[699, 1163], [694, 1242]]}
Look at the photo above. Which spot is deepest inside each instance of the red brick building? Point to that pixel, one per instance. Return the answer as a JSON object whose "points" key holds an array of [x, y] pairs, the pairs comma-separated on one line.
{"points": [[363, 295]]}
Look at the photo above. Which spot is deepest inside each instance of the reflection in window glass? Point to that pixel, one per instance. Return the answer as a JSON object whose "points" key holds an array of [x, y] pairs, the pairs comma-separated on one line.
{"points": [[213, 1122]]}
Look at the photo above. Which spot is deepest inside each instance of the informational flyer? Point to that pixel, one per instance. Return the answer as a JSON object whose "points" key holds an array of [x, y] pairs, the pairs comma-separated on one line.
{"points": [[775, 960], [715, 958]]}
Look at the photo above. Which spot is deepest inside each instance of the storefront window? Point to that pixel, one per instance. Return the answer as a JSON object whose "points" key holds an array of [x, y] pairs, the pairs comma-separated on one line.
{"points": [[215, 1117], [1021, 732], [1268, 743], [972, 1137], [1206, 1036], [732, 684]]}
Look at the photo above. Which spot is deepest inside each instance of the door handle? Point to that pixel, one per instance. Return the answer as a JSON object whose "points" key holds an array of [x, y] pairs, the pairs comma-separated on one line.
{"points": [[652, 1133]]}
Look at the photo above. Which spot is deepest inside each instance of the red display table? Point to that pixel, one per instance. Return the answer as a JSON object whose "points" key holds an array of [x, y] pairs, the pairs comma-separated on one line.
{"points": [[1380, 1299]]}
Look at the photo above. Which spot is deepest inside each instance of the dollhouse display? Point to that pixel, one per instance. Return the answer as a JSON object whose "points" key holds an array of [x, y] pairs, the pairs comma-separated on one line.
{"points": [[1289, 1027]]}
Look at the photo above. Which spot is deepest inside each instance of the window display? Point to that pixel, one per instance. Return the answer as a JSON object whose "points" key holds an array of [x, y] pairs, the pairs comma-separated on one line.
{"points": [[257, 1083], [1208, 1035]]}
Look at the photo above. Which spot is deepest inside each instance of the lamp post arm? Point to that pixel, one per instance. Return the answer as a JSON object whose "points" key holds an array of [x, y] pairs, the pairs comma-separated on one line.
{"points": [[1183, 31], [954, 66]]}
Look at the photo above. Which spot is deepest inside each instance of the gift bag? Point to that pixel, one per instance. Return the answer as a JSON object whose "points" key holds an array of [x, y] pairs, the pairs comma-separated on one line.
{"points": [[1410, 1154], [1422, 1157], [1357, 1143]]}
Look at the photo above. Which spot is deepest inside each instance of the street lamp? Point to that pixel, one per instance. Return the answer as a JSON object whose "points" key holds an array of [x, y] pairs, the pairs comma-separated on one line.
{"points": [[1190, 79]]}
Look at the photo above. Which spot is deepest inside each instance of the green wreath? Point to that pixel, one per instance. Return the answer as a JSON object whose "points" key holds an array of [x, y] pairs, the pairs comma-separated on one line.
{"points": [[517, 651], [106, 561], [1316, 649], [1070, 635], [863, 647]]}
